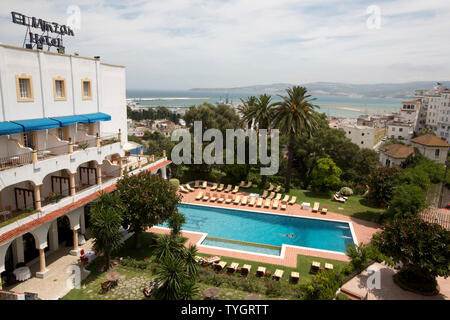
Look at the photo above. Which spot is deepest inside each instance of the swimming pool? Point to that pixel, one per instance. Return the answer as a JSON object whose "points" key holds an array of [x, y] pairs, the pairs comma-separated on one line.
{"points": [[264, 229]]}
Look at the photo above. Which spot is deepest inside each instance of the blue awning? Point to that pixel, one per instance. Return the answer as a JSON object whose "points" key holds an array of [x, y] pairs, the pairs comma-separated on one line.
{"points": [[37, 124], [94, 117], [68, 120], [9, 128]]}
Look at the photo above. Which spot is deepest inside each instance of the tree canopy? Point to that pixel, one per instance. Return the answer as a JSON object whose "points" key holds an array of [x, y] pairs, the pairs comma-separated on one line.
{"points": [[148, 200]]}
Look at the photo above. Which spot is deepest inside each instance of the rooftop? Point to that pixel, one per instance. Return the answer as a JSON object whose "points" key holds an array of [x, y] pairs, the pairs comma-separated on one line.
{"points": [[397, 151], [430, 140]]}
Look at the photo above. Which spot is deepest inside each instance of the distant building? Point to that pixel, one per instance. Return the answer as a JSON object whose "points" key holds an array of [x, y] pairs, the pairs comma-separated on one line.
{"points": [[431, 147], [394, 154], [362, 136], [410, 112], [400, 130], [434, 110]]}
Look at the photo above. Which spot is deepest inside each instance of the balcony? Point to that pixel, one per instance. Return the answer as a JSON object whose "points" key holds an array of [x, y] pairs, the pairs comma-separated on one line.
{"points": [[20, 155], [24, 202]]}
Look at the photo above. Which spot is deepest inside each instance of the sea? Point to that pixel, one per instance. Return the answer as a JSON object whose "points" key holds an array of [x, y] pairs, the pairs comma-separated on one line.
{"points": [[336, 106]]}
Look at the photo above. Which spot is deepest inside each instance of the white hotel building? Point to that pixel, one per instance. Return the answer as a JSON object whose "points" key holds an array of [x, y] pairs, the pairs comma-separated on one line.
{"points": [[63, 136]]}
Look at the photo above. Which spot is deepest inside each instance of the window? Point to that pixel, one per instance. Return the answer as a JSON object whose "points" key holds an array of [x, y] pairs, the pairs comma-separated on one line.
{"points": [[59, 89], [400, 129], [362, 142], [436, 153], [24, 88], [86, 89]]}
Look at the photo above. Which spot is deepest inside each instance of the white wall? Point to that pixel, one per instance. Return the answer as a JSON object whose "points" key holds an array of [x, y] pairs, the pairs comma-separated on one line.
{"points": [[363, 137]]}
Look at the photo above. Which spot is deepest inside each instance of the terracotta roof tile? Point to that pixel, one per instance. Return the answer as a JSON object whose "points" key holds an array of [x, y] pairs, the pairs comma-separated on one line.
{"points": [[430, 140], [397, 151]]}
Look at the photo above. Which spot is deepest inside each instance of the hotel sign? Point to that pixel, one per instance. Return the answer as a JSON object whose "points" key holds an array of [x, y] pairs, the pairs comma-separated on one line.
{"points": [[47, 28]]}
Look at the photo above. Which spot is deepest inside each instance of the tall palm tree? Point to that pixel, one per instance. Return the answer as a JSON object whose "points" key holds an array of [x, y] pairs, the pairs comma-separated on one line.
{"points": [[246, 110], [293, 115], [263, 111]]}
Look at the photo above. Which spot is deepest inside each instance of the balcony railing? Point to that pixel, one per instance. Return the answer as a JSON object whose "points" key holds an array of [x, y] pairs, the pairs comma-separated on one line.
{"points": [[16, 160], [25, 158]]}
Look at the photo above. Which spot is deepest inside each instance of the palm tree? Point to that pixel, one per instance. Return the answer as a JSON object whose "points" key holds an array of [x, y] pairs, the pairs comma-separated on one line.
{"points": [[294, 115], [106, 219], [246, 110], [171, 272], [263, 111], [168, 247], [191, 263]]}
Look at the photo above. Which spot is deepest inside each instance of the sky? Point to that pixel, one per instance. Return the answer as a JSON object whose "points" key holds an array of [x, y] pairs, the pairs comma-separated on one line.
{"points": [[182, 44]]}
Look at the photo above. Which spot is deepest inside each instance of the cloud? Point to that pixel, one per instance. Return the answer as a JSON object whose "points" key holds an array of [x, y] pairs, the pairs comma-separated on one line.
{"points": [[178, 44]]}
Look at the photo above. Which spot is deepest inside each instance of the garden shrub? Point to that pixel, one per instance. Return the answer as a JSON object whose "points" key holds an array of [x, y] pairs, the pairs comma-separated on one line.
{"points": [[175, 182], [346, 191]]}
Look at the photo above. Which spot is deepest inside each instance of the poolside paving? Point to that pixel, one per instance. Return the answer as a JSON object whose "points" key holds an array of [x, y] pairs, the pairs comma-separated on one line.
{"points": [[387, 289], [363, 231]]}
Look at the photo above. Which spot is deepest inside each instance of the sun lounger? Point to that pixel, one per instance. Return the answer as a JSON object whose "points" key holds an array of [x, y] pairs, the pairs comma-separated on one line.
{"points": [[278, 197], [235, 190], [272, 195], [315, 267], [199, 196], [228, 189], [261, 272], [211, 260], [252, 201], [213, 197], [197, 184], [199, 259], [270, 187], [214, 187], [221, 199], [245, 270], [265, 193], [233, 267], [189, 188], [315, 207], [275, 204], [283, 205], [204, 184], [295, 276], [293, 200], [220, 188], [244, 200], [259, 202], [267, 203], [182, 189], [328, 266], [220, 265], [286, 198], [206, 197], [278, 274], [242, 184], [324, 210], [249, 184], [277, 189], [230, 198], [237, 199]]}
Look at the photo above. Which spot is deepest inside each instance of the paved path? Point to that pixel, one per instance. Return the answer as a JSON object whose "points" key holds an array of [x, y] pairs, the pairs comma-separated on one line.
{"points": [[55, 284], [388, 290]]}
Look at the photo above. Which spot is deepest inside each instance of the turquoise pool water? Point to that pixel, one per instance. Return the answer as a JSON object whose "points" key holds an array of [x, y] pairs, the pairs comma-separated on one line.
{"points": [[267, 229]]}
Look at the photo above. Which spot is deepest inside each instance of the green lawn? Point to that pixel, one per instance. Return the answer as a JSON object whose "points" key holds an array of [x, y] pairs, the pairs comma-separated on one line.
{"points": [[355, 206], [133, 279]]}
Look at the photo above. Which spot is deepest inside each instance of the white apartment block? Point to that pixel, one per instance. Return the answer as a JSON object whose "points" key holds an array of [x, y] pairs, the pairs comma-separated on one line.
{"points": [[400, 130], [362, 136], [63, 128], [435, 113]]}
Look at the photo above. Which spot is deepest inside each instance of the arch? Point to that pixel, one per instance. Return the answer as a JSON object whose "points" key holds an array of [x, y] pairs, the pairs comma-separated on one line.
{"points": [[86, 175], [55, 185], [19, 196]]}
